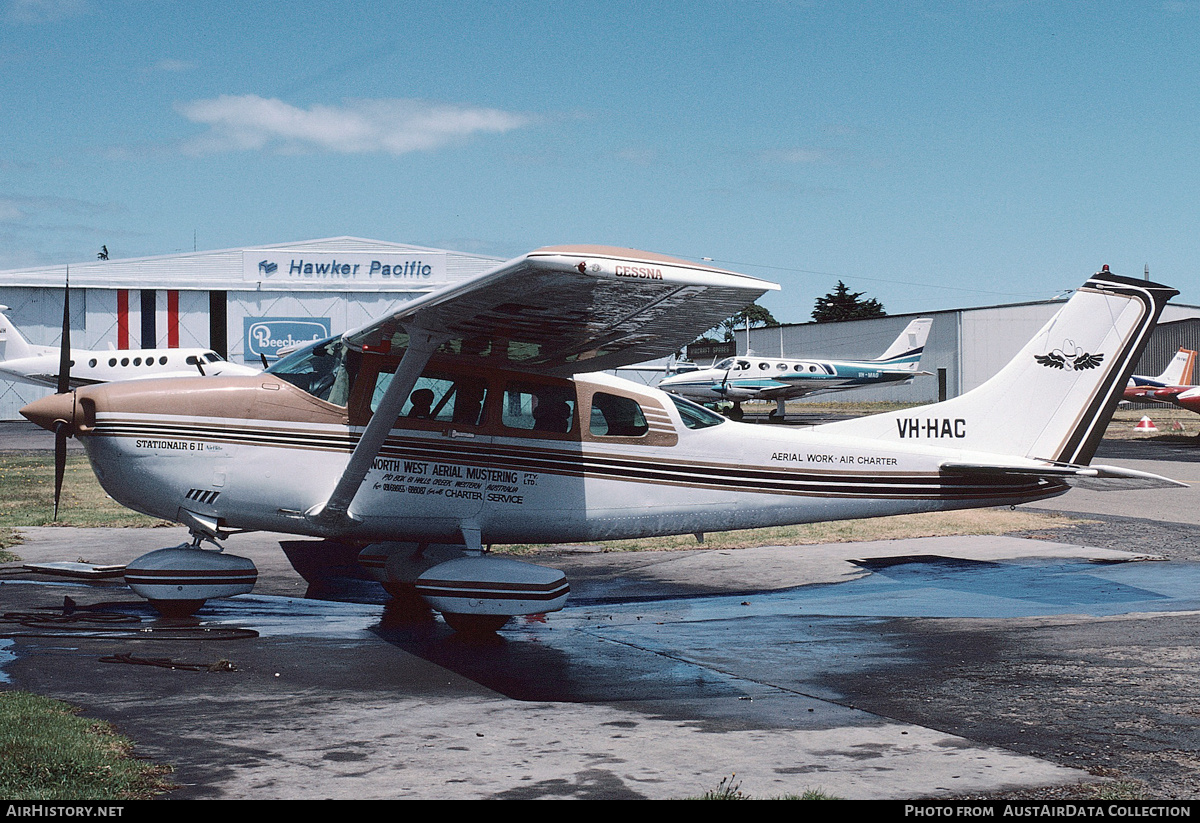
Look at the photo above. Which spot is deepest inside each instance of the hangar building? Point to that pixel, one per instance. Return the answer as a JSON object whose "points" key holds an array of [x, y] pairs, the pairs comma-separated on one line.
{"points": [[965, 346], [243, 303], [246, 303]]}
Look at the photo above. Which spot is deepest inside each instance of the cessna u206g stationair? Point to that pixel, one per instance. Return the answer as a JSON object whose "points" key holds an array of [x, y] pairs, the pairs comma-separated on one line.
{"points": [[737, 379], [478, 415]]}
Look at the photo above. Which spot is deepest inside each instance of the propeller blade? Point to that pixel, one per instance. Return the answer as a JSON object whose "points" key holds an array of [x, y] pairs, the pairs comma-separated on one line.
{"points": [[725, 380], [64, 356], [62, 431]]}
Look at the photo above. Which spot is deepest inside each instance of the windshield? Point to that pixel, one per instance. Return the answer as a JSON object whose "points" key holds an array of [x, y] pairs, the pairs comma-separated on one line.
{"points": [[323, 369]]}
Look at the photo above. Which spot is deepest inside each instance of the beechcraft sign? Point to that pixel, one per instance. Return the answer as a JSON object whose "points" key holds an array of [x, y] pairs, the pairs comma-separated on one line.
{"points": [[265, 336]]}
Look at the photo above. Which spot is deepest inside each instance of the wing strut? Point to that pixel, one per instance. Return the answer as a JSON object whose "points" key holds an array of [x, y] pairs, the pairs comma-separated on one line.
{"points": [[335, 512]]}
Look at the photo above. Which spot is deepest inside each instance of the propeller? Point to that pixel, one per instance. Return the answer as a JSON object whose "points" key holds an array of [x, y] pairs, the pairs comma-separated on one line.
{"points": [[725, 380], [62, 429]]}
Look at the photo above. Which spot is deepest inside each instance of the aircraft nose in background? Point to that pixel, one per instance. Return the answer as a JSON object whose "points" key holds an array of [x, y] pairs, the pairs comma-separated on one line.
{"points": [[50, 410]]}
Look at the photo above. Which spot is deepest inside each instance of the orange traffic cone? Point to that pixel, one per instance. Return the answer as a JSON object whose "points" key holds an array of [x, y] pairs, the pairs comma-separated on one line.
{"points": [[1145, 425]]}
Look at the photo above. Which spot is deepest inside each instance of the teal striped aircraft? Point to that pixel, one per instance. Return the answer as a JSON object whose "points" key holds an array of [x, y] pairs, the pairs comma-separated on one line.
{"points": [[737, 379]]}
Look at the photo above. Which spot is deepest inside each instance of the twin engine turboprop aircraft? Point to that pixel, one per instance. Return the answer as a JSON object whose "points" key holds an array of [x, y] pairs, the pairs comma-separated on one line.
{"points": [[737, 379], [24, 362], [478, 415]]}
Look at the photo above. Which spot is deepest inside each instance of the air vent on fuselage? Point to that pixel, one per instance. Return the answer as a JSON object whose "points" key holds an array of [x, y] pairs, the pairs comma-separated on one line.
{"points": [[203, 495]]}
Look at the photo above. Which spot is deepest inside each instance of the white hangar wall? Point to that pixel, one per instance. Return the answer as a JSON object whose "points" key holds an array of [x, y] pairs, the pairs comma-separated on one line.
{"points": [[209, 299]]}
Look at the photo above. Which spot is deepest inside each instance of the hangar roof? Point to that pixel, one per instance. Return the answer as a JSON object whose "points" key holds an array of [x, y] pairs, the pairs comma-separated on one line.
{"points": [[328, 264]]}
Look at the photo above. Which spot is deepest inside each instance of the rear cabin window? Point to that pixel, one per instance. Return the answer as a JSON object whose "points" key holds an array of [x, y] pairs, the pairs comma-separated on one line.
{"points": [[548, 409], [614, 416]]}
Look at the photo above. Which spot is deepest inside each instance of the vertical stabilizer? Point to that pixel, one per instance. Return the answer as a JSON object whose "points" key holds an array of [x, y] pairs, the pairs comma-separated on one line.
{"points": [[13, 346], [1180, 371], [907, 348], [1053, 401]]}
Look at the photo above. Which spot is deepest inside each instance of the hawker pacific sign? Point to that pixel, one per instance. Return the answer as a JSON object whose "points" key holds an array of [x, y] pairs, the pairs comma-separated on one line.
{"points": [[265, 336], [325, 268]]}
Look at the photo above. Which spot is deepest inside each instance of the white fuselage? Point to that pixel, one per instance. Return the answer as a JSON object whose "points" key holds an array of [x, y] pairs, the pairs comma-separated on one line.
{"points": [[428, 482], [89, 367]]}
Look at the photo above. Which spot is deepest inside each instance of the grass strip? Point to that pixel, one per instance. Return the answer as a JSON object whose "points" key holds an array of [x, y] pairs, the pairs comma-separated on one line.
{"points": [[27, 495], [48, 752]]}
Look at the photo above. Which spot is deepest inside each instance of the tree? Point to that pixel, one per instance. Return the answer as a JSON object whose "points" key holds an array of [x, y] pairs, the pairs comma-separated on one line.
{"points": [[723, 332], [840, 304], [756, 314]]}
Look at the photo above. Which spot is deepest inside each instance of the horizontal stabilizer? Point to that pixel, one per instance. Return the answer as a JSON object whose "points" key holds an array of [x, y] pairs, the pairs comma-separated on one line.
{"points": [[1101, 478]]}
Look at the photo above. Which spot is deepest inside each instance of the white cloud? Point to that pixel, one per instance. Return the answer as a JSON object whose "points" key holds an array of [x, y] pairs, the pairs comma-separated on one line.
{"points": [[638, 156], [10, 210], [796, 156], [45, 11], [250, 122], [171, 65]]}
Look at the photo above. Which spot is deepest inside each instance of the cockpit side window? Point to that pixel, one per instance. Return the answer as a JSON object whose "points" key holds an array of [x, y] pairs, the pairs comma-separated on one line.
{"points": [[439, 398]]}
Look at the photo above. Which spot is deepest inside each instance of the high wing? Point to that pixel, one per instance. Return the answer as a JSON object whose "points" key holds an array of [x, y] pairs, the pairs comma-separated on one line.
{"points": [[568, 309], [561, 310]]}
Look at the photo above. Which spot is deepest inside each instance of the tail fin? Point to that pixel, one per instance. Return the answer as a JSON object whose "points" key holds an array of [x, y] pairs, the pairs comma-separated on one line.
{"points": [[1180, 370], [907, 348], [1053, 401], [13, 345]]}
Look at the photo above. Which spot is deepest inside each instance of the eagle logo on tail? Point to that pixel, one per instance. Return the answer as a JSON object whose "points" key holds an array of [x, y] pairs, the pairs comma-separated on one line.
{"points": [[1078, 360]]}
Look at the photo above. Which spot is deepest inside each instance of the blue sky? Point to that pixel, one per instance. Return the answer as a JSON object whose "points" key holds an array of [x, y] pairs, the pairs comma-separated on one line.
{"points": [[929, 154]]}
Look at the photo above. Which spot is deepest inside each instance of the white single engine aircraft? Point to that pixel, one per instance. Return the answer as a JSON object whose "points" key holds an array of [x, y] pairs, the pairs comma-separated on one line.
{"points": [[742, 378], [25, 362], [1175, 379], [477, 415]]}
